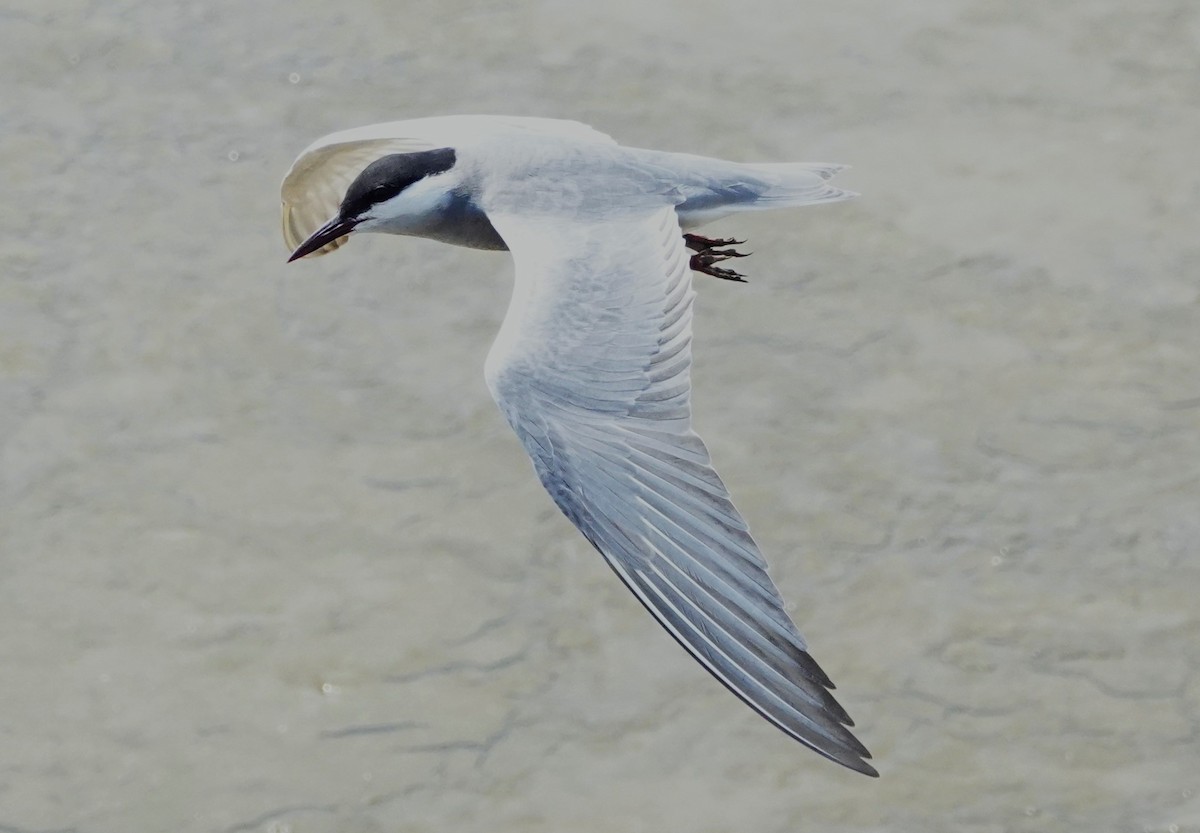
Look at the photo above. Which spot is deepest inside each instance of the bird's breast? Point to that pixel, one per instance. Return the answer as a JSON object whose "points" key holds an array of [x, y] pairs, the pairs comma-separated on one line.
{"points": [[461, 222]]}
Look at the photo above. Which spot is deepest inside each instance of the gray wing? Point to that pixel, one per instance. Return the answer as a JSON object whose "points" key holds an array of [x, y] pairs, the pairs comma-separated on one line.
{"points": [[591, 369]]}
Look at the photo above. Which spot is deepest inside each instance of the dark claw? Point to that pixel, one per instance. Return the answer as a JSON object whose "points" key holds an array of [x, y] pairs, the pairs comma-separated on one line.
{"points": [[708, 254], [703, 262]]}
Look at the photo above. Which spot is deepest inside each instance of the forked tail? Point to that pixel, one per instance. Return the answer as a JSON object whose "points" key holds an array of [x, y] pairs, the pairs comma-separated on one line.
{"points": [[713, 188], [787, 184]]}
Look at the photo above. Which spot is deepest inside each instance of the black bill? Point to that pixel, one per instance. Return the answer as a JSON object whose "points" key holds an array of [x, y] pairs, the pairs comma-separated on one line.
{"points": [[326, 234]]}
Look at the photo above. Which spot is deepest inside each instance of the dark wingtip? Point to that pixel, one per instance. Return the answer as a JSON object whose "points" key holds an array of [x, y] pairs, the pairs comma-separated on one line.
{"points": [[856, 760]]}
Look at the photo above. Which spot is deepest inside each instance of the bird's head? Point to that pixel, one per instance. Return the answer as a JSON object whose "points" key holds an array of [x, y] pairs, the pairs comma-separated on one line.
{"points": [[398, 193]]}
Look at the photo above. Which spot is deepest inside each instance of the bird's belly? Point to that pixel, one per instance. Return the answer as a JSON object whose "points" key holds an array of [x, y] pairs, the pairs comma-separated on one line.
{"points": [[695, 213]]}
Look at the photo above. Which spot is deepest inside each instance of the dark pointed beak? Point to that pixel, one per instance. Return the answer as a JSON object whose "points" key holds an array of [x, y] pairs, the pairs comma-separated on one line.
{"points": [[335, 228]]}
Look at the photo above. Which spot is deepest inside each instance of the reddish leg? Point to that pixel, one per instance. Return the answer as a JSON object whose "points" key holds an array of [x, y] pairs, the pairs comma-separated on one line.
{"points": [[708, 254]]}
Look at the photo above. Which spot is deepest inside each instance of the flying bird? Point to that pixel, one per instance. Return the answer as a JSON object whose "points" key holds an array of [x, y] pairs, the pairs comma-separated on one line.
{"points": [[591, 366]]}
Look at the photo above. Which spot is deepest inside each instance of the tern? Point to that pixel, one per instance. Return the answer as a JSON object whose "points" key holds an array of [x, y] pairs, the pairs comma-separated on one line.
{"points": [[591, 365]]}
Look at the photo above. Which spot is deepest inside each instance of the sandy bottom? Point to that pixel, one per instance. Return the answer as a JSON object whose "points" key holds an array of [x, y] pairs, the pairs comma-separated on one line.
{"points": [[271, 561]]}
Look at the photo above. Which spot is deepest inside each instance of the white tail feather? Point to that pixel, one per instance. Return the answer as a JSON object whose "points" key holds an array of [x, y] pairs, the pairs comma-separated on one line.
{"points": [[798, 183]]}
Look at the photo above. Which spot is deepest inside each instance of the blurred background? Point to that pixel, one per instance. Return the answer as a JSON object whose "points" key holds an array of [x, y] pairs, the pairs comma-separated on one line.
{"points": [[271, 561]]}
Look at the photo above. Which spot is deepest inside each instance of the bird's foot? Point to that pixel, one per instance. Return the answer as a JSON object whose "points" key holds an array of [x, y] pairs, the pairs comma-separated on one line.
{"points": [[699, 244], [707, 254]]}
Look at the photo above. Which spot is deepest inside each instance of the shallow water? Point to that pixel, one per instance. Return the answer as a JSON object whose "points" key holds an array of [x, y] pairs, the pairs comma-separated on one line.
{"points": [[271, 560]]}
